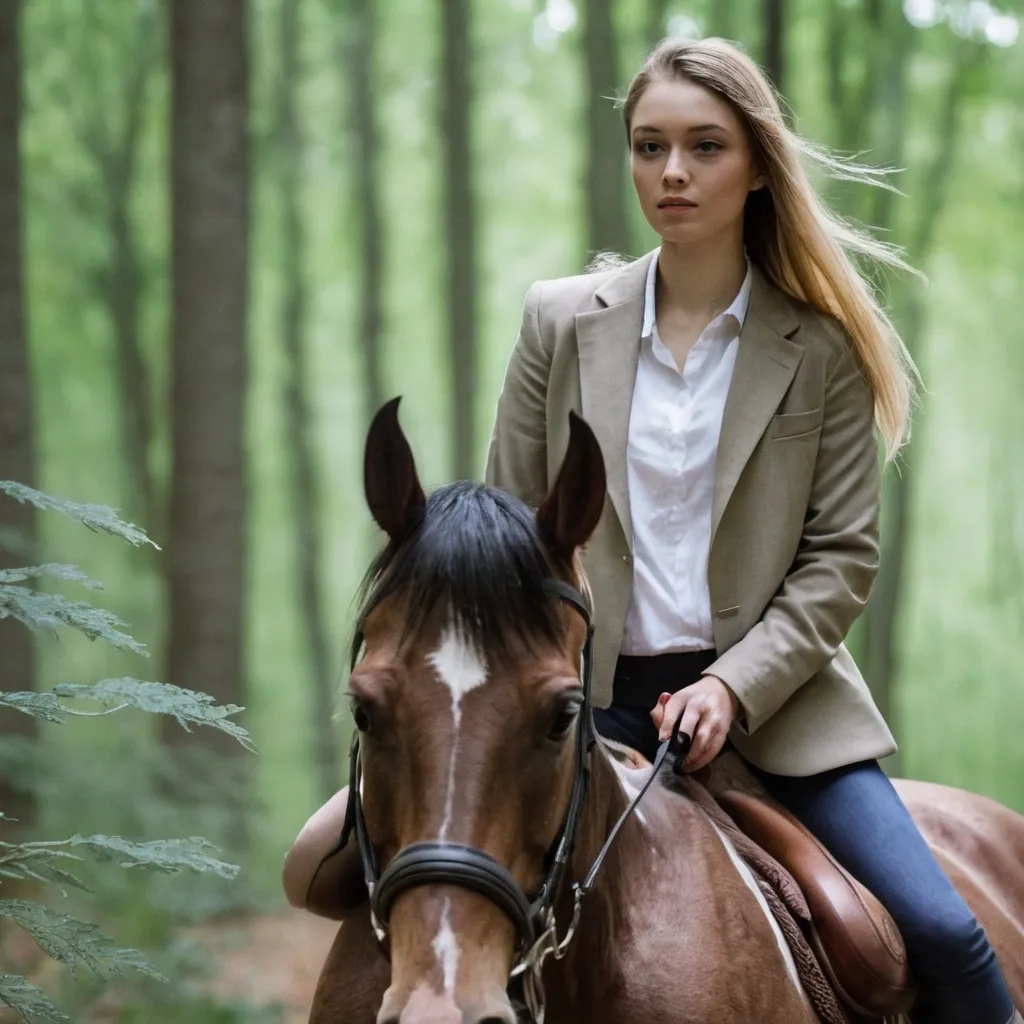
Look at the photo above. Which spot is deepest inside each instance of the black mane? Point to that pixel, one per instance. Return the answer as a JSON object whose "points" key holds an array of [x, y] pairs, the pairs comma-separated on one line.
{"points": [[478, 550]]}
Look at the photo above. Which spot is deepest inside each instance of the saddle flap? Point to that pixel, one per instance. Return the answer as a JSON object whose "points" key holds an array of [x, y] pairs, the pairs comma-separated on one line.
{"points": [[856, 938]]}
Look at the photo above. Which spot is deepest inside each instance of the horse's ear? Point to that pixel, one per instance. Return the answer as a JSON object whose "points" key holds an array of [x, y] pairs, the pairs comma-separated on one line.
{"points": [[390, 481], [570, 513]]}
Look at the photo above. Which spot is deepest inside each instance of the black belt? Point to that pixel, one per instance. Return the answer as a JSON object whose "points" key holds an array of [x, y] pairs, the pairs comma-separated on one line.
{"points": [[641, 679]]}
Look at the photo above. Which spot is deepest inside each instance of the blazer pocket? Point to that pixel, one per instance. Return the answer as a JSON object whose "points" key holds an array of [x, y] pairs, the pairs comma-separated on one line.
{"points": [[788, 425]]}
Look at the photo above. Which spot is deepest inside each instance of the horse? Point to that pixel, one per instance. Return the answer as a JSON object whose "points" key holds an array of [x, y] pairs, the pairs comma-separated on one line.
{"points": [[481, 798]]}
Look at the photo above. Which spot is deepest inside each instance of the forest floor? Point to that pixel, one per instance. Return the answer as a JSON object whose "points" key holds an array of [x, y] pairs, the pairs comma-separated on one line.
{"points": [[273, 960], [270, 960]]}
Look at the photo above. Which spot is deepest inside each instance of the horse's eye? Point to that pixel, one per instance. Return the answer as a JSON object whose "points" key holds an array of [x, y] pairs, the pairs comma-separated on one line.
{"points": [[360, 716], [563, 721]]}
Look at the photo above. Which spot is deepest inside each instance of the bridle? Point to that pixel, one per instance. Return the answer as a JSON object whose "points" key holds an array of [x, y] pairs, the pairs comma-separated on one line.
{"points": [[442, 863]]}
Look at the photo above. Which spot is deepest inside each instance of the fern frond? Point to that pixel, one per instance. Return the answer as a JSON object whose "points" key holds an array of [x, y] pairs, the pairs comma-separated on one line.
{"points": [[27, 1001], [39, 705], [47, 611], [53, 570], [168, 856], [73, 942], [162, 698], [94, 517]]}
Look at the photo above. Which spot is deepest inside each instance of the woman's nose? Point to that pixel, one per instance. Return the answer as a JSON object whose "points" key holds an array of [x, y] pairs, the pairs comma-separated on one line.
{"points": [[676, 171]]}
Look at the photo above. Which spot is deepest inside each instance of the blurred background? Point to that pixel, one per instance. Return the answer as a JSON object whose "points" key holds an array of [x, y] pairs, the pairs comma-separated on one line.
{"points": [[229, 231]]}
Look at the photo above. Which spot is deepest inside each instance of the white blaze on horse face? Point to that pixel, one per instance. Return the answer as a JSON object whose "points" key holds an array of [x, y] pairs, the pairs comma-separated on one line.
{"points": [[461, 667], [446, 949]]}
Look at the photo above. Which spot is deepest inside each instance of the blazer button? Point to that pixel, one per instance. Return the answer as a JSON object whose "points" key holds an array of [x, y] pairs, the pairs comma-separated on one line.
{"points": [[627, 559]]}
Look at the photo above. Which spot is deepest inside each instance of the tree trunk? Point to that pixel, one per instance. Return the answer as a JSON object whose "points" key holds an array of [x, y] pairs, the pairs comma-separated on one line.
{"points": [[17, 440], [367, 212], [657, 22], [722, 19], [774, 50], [460, 231], [880, 652], [605, 174], [123, 295], [210, 234], [299, 426]]}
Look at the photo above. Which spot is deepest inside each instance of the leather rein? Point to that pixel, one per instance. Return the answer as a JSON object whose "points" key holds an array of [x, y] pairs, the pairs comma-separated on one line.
{"points": [[437, 863]]}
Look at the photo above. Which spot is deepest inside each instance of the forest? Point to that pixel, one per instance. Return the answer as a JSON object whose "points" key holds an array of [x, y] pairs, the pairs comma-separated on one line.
{"points": [[231, 230]]}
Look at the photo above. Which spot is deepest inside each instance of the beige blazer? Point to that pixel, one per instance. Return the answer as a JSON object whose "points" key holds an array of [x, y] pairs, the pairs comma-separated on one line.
{"points": [[794, 531]]}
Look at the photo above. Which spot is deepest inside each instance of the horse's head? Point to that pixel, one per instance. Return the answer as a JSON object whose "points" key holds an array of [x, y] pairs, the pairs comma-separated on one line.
{"points": [[468, 699]]}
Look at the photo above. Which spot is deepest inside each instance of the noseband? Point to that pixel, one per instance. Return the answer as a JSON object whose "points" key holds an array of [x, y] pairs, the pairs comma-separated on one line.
{"points": [[438, 863]]}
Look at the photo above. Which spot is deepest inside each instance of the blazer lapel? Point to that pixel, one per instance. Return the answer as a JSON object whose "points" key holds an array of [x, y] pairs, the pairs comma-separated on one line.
{"points": [[765, 364], [609, 348]]}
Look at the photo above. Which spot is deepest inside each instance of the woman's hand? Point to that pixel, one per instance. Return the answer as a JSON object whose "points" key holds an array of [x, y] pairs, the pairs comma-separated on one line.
{"points": [[708, 708]]}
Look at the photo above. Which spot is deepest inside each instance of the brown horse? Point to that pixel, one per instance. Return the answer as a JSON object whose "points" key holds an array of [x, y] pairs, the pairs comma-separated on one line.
{"points": [[474, 756]]}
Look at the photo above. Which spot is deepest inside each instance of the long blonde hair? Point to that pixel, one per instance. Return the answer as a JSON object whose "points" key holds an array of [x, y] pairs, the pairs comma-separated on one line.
{"points": [[802, 247]]}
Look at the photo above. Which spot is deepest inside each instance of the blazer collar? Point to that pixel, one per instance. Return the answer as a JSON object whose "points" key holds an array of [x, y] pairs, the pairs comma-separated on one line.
{"points": [[608, 337]]}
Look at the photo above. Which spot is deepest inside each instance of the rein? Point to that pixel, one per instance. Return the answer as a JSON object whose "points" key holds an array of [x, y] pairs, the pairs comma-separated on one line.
{"points": [[436, 863]]}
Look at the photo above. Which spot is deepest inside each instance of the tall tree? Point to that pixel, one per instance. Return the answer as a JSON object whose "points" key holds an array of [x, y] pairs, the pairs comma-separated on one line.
{"points": [[605, 173], [110, 137], [209, 293], [774, 40], [657, 21], [364, 116], [17, 439], [299, 422], [460, 229], [869, 57], [722, 19], [880, 651]]}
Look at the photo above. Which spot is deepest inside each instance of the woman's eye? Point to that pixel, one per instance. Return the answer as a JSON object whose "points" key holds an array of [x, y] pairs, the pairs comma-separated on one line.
{"points": [[563, 722], [648, 148], [708, 146], [360, 716]]}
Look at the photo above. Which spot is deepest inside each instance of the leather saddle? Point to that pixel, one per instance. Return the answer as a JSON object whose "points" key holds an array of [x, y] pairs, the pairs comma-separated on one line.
{"points": [[855, 939]]}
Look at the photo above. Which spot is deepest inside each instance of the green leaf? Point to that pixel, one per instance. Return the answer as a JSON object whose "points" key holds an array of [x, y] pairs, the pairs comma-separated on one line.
{"points": [[39, 611], [165, 699], [53, 570], [38, 859], [32, 860], [71, 941], [40, 705], [95, 517], [27, 1001], [167, 855]]}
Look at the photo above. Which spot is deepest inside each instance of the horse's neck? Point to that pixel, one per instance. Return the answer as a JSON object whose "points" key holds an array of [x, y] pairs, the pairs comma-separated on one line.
{"points": [[663, 907], [633, 857]]}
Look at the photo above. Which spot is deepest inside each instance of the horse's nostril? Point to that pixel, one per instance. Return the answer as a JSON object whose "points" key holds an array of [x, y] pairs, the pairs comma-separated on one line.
{"points": [[508, 1019]]}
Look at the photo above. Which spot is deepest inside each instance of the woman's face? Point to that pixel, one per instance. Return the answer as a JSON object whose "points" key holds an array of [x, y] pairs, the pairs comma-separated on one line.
{"points": [[691, 161]]}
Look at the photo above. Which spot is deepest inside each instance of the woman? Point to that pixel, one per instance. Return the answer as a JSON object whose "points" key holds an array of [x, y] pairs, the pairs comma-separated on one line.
{"points": [[733, 378]]}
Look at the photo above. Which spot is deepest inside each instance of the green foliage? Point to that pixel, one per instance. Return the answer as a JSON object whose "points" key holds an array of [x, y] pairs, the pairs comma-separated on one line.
{"points": [[63, 937], [46, 611], [96, 517], [26, 1000], [71, 941], [164, 699], [37, 859]]}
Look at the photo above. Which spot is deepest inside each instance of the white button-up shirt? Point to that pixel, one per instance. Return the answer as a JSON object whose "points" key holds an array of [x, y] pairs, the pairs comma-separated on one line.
{"points": [[674, 425]]}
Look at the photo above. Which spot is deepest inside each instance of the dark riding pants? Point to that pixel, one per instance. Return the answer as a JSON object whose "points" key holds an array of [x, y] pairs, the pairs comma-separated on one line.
{"points": [[858, 815]]}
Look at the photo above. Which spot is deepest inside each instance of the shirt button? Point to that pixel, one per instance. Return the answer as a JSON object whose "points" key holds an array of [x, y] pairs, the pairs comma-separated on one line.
{"points": [[627, 559]]}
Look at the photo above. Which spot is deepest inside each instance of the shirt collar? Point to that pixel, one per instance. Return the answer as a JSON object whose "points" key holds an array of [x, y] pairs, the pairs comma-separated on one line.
{"points": [[737, 309]]}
